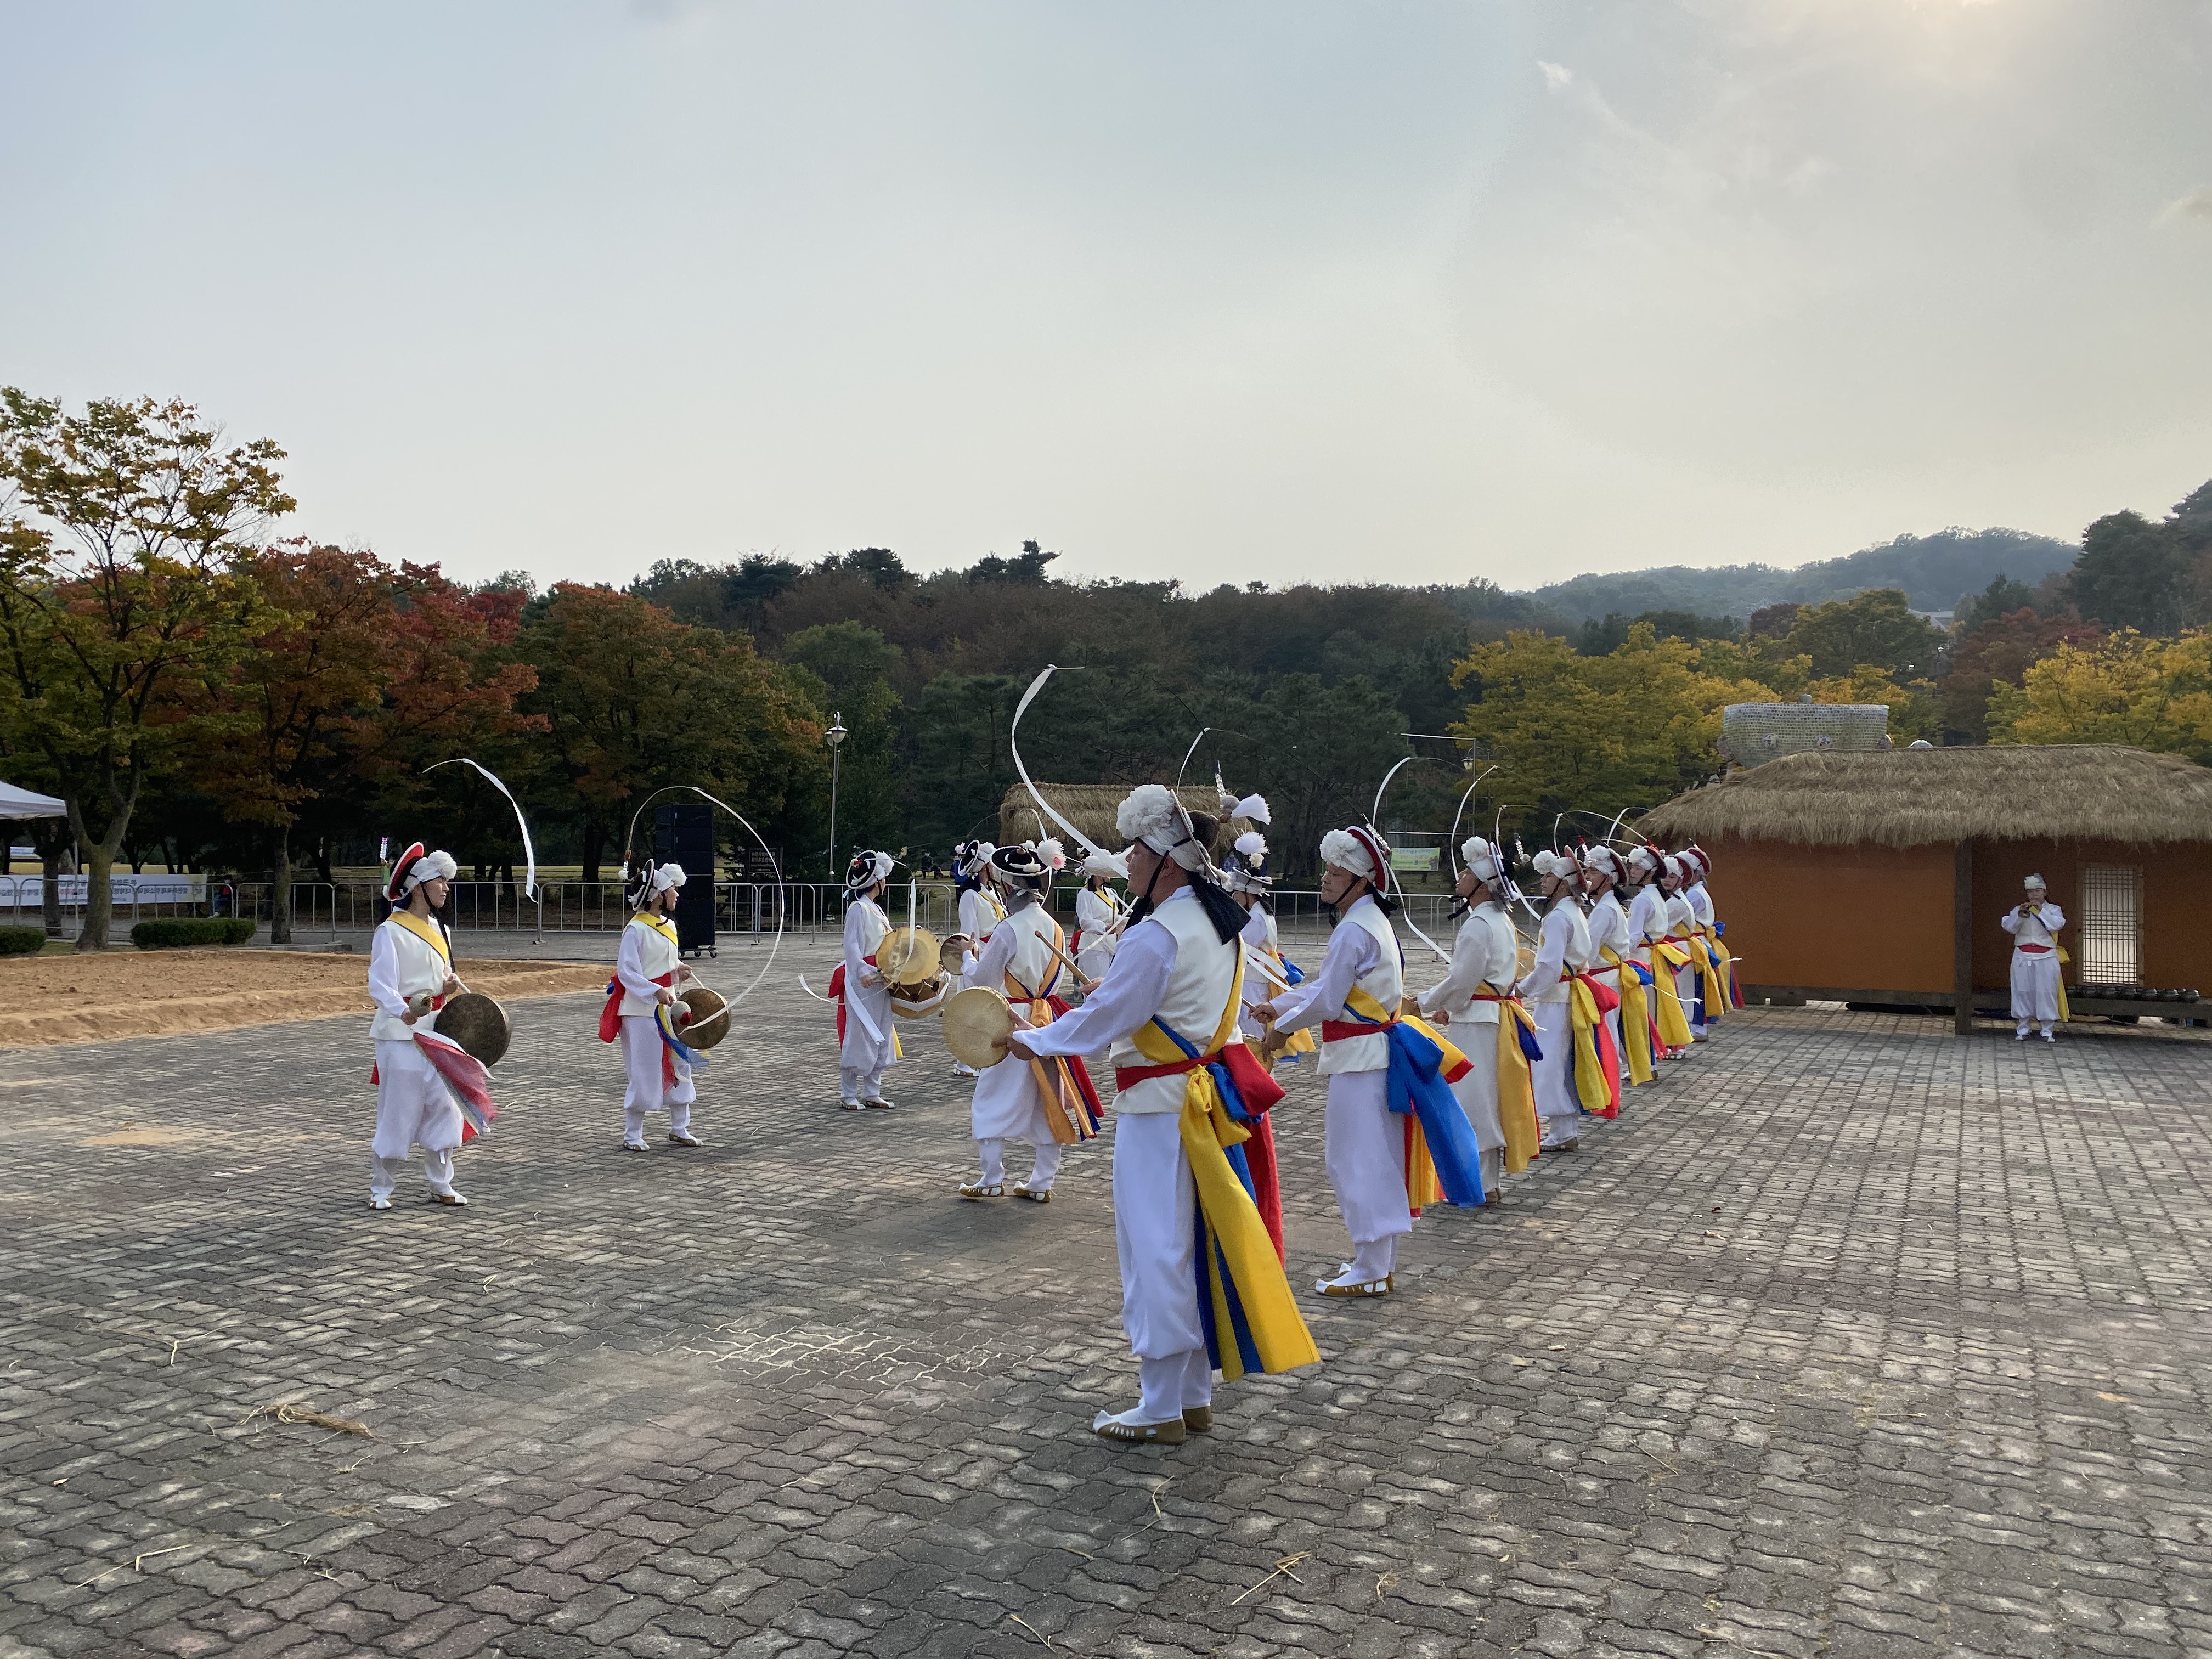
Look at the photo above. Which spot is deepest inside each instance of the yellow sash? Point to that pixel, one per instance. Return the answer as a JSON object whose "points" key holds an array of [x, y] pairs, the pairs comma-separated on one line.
{"points": [[1067, 1117], [1635, 1020], [2065, 1013], [428, 932], [1516, 1085], [1701, 947], [1725, 974], [1584, 1019], [1674, 1023], [1422, 1186], [1232, 1220], [660, 925]]}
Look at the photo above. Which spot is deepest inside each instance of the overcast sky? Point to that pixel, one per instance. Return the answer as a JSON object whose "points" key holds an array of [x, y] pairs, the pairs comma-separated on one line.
{"points": [[1285, 290]]}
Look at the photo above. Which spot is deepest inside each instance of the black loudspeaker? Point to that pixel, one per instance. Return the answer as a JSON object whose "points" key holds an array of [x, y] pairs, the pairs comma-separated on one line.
{"points": [[684, 834]]}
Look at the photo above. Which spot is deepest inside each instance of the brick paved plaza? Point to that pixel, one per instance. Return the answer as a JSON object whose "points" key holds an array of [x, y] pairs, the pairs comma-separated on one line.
{"points": [[1852, 1339]]}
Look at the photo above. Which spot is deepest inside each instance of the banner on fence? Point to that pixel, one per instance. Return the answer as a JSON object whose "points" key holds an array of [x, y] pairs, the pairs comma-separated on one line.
{"points": [[124, 888]]}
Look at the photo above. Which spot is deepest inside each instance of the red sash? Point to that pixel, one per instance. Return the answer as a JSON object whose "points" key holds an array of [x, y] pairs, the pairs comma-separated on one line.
{"points": [[611, 1016], [1339, 1030], [838, 993], [1259, 1089]]}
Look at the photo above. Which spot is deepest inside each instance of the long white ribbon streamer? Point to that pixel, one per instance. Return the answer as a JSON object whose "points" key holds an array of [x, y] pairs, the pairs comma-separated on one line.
{"points": [[782, 908], [1023, 772], [529, 852], [1390, 878]]}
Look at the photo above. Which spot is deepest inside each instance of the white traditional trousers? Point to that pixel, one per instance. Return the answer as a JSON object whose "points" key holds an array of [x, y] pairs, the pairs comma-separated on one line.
{"points": [[642, 1051], [1364, 1147], [1155, 1223], [1557, 1111], [413, 1108], [1477, 1094], [2035, 987]]}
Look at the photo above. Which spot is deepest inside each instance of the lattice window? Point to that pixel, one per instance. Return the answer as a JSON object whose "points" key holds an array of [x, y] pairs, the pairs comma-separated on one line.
{"points": [[2108, 931]]}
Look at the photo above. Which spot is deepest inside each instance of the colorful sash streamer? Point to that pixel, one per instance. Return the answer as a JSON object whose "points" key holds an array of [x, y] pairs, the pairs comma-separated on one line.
{"points": [[1243, 1294], [1672, 1025], [1062, 1079], [1440, 1155], [1731, 993], [1597, 1066], [1639, 1030], [1517, 1077]]}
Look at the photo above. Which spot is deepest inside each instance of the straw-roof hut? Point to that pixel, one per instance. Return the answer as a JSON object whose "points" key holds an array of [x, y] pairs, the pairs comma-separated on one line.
{"points": [[1089, 808], [1880, 876]]}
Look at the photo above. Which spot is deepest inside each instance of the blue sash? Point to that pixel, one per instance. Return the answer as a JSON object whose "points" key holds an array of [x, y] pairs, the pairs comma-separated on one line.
{"points": [[1416, 1084]]}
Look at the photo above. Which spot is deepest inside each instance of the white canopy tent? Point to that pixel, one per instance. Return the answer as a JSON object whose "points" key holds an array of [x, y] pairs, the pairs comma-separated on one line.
{"points": [[24, 804]]}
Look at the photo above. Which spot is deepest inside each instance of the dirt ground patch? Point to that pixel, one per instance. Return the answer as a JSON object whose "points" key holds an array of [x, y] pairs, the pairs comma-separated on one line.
{"points": [[47, 999]]}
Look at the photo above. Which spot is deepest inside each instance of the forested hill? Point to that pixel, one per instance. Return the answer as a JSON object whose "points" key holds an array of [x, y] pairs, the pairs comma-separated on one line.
{"points": [[1934, 571], [1305, 692]]}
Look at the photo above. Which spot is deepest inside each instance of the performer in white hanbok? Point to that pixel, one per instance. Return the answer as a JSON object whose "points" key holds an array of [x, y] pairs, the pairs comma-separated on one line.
{"points": [[1023, 960], [1485, 956], [867, 1041], [1097, 915], [428, 1093], [1608, 942], [979, 912], [1357, 998], [1682, 933], [1563, 950], [2038, 992], [1189, 1238], [1647, 925], [649, 970]]}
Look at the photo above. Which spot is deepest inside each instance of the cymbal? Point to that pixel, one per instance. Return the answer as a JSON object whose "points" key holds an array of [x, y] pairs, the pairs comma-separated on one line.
{"points": [[907, 955], [478, 1024], [705, 1013], [975, 1021]]}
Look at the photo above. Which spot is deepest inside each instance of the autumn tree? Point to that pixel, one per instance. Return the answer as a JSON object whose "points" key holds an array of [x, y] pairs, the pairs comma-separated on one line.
{"points": [[2126, 688], [1630, 728], [122, 531], [1878, 627], [1999, 651], [633, 700]]}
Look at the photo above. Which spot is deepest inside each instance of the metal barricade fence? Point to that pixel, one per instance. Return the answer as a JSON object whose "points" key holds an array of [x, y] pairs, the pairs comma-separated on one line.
{"points": [[741, 906]]}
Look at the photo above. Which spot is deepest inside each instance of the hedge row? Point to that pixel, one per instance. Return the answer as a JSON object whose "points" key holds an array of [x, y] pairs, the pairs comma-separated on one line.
{"points": [[22, 941], [170, 933]]}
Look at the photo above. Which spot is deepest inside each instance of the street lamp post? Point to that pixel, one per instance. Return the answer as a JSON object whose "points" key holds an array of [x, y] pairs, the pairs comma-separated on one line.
{"points": [[835, 737]]}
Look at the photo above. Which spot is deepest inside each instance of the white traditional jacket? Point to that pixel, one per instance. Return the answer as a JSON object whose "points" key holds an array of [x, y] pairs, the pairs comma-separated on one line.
{"points": [[410, 956], [648, 952]]}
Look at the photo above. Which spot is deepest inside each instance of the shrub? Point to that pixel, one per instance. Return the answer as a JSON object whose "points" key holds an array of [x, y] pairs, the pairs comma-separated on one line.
{"points": [[170, 933], [22, 941]]}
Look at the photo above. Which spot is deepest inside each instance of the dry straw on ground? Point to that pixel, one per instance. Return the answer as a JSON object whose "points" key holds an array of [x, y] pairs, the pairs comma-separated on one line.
{"points": [[97, 998]]}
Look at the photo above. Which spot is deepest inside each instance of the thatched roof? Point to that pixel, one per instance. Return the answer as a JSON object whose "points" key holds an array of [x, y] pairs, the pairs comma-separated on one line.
{"points": [[1089, 808], [1912, 796]]}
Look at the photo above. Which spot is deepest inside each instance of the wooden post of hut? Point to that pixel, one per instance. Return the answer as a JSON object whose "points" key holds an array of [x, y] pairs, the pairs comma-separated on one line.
{"points": [[1879, 877]]}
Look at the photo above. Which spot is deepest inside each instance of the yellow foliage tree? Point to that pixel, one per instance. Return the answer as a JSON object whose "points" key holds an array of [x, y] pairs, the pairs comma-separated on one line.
{"points": [[1630, 728], [2149, 693]]}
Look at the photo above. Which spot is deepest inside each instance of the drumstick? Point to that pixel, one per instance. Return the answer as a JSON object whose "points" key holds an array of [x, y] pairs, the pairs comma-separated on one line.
{"points": [[1267, 973]]}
